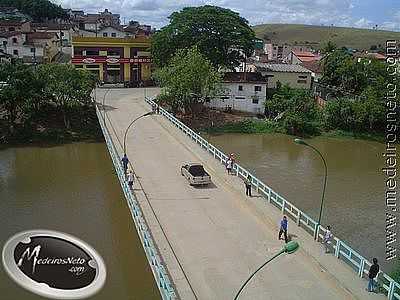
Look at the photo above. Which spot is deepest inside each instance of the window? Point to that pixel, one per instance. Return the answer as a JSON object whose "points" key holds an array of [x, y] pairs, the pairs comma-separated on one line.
{"points": [[257, 88], [78, 66], [240, 88], [33, 50], [301, 81], [4, 43], [15, 52], [240, 98], [303, 77], [14, 40], [113, 34], [91, 53], [255, 100], [62, 33], [224, 97], [11, 29], [105, 34], [114, 52], [208, 100]]}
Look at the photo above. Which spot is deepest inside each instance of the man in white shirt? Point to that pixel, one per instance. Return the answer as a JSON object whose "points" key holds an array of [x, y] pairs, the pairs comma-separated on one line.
{"points": [[131, 178]]}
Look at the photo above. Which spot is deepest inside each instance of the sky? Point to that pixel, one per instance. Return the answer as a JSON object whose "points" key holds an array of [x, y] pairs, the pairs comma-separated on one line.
{"points": [[348, 13]]}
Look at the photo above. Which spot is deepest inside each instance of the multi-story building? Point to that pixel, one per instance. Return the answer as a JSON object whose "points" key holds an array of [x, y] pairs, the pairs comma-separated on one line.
{"points": [[277, 52], [34, 47], [114, 60], [242, 91], [65, 31]]}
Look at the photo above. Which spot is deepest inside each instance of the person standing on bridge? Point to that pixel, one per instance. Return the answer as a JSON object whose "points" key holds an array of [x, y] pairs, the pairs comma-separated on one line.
{"points": [[373, 271], [283, 229], [125, 162], [229, 165], [327, 240], [247, 183]]}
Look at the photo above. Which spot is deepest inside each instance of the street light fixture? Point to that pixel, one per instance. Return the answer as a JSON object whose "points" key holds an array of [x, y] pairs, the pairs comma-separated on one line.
{"points": [[104, 105], [302, 142], [127, 129], [289, 248]]}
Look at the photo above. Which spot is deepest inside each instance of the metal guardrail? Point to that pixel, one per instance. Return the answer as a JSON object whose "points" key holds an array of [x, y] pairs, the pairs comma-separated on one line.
{"points": [[154, 258], [341, 250]]}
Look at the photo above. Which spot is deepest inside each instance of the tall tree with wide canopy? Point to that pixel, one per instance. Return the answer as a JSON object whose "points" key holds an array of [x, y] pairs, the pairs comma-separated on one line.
{"points": [[188, 80], [220, 34]]}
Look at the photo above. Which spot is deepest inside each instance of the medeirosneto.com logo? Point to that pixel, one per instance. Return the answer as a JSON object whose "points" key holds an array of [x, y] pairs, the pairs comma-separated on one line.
{"points": [[54, 264]]}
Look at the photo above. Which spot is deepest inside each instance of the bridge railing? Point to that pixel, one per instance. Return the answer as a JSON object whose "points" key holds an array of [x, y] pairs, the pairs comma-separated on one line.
{"points": [[340, 249], [160, 273]]}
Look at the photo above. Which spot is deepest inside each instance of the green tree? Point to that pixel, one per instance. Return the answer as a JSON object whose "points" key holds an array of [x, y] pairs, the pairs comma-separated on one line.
{"points": [[296, 110], [188, 80], [67, 87], [19, 88], [39, 10], [220, 34], [328, 47]]}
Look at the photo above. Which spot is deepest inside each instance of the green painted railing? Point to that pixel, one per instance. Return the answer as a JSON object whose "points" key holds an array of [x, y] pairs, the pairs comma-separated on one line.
{"points": [[342, 251], [164, 283]]}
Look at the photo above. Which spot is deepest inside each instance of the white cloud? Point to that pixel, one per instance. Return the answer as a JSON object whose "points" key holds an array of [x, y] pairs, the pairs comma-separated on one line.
{"points": [[315, 12]]}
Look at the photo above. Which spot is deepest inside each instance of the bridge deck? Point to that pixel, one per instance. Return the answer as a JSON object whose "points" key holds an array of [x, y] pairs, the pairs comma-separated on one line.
{"points": [[213, 238]]}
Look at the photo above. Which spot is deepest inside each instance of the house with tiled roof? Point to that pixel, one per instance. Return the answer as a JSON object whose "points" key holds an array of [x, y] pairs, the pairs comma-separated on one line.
{"points": [[15, 25], [65, 31], [299, 57], [34, 47], [296, 76]]}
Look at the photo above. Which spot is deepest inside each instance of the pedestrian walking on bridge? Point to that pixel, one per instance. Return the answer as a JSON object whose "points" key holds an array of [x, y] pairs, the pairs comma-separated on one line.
{"points": [[373, 271], [125, 162], [131, 179], [283, 229]]}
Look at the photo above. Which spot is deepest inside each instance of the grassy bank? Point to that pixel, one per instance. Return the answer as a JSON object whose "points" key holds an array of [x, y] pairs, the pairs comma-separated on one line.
{"points": [[246, 126], [260, 127]]}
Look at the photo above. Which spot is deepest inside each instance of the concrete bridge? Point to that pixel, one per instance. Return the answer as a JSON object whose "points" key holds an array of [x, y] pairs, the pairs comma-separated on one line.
{"points": [[211, 239]]}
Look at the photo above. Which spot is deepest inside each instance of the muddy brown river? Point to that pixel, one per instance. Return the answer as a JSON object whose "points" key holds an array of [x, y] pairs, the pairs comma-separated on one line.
{"points": [[73, 189], [354, 199]]}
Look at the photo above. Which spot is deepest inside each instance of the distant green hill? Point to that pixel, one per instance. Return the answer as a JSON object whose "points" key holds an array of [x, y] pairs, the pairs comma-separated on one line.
{"points": [[317, 35]]}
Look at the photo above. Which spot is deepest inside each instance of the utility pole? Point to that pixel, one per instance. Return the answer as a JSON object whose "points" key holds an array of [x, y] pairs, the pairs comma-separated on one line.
{"points": [[61, 39]]}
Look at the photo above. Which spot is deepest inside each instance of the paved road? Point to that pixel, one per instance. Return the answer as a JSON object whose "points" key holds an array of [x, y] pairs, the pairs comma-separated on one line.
{"points": [[213, 238]]}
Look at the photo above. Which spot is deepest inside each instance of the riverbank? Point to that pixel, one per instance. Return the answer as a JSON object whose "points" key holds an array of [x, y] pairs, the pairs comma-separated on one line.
{"points": [[47, 126], [254, 126]]}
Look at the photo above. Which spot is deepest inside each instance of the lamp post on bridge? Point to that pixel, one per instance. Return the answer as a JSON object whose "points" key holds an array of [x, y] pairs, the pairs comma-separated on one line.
{"points": [[302, 142], [289, 248], [104, 105], [130, 125]]}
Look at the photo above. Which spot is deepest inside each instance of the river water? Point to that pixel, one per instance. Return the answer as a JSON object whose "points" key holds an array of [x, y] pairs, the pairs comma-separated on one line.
{"points": [[73, 189], [354, 199]]}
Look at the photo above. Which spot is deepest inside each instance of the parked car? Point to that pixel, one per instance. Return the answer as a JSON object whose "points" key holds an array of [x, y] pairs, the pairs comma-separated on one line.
{"points": [[195, 174]]}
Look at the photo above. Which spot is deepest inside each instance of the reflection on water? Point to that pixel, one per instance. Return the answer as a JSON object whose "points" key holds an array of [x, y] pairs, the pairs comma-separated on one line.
{"points": [[73, 189], [354, 200]]}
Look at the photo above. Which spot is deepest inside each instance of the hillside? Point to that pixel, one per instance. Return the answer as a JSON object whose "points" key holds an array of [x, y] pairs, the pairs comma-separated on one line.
{"points": [[318, 35]]}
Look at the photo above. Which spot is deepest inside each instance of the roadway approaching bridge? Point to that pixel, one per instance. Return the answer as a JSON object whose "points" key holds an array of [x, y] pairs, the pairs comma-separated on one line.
{"points": [[211, 239]]}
